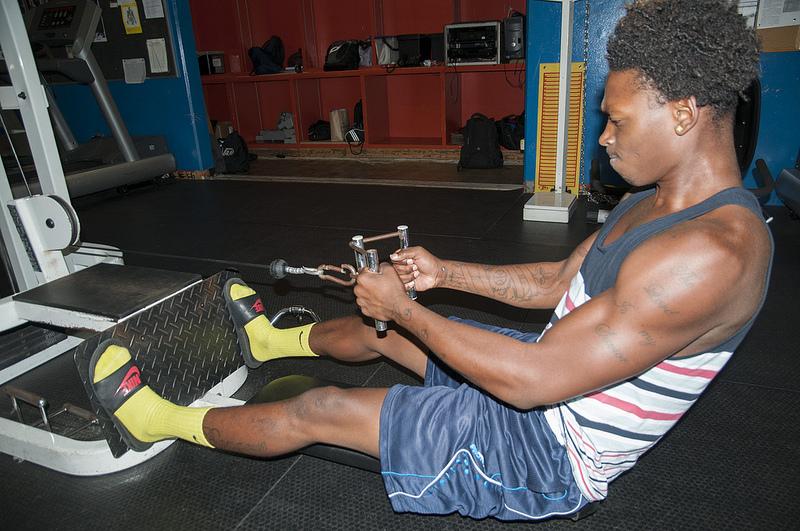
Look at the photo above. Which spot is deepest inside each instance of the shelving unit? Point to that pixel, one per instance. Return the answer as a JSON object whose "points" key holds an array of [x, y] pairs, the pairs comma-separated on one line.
{"points": [[404, 108]]}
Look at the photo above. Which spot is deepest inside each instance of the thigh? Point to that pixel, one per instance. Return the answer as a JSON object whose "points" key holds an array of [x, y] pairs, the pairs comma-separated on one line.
{"points": [[349, 418], [447, 450]]}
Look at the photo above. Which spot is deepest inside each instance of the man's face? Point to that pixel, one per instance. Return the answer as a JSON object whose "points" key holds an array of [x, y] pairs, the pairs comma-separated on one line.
{"points": [[639, 135]]}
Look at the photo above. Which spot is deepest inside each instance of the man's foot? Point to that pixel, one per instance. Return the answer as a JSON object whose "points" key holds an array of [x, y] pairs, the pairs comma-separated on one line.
{"points": [[258, 339], [116, 380], [139, 414]]}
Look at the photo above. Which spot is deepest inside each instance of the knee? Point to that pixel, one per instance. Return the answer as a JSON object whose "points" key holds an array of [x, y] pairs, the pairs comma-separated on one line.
{"points": [[319, 405]]}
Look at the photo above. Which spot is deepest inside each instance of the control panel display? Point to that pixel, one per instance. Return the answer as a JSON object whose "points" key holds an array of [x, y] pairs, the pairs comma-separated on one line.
{"points": [[57, 17]]}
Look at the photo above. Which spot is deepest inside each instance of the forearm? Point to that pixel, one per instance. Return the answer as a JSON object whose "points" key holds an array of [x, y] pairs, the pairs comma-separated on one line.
{"points": [[538, 285], [490, 361]]}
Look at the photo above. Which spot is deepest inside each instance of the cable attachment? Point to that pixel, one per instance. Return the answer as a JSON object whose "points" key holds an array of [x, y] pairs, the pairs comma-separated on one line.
{"points": [[278, 269], [344, 269]]}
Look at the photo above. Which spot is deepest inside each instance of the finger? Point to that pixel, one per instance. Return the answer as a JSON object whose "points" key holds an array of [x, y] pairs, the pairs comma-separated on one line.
{"points": [[400, 259]]}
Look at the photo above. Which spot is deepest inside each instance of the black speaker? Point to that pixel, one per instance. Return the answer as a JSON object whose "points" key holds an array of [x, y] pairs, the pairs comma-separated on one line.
{"points": [[514, 37]]}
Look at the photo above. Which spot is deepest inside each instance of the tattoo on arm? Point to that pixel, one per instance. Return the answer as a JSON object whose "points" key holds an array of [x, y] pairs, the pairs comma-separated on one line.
{"points": [[625, 306], [647, 339], [605, 334], [656, 294], [516, 284]]}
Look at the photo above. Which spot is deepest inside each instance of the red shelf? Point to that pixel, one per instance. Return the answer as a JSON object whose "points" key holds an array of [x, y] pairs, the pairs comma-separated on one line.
{"points": [[405, 108]]}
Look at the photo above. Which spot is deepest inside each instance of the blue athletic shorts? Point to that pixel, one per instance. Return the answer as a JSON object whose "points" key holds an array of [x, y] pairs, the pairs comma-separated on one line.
{"points": [[447, 447]]}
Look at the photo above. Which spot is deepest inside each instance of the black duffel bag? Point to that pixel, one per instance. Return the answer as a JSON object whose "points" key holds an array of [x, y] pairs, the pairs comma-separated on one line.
{"points": [[342, 55], [319, 130]]}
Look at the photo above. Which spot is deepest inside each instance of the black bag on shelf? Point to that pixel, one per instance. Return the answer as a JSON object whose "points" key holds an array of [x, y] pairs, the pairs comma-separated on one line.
{"points": [[268, 59], [481, 149], [511, 130], [319, 130], [342, 55], [235, 154], [358, 116]]}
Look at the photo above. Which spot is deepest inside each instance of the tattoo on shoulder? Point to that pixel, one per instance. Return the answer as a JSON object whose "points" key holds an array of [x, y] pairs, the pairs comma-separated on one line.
{"points": [[685, 275], [656, 294], [606, 335]]}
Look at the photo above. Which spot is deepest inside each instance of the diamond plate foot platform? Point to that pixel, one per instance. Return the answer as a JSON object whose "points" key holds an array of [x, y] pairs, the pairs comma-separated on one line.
{"points": [[184, 347], [187, 351]]}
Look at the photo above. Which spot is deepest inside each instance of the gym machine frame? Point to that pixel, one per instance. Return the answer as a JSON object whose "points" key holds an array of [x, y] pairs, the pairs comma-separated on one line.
{"points": [[41, 244]]}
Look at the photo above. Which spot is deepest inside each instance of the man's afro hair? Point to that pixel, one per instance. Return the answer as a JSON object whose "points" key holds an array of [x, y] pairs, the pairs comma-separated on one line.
{"points": [[684, 48]]}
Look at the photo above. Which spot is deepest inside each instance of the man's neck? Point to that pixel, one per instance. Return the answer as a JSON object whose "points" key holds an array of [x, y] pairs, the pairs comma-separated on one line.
{"points": [[706, 167]]}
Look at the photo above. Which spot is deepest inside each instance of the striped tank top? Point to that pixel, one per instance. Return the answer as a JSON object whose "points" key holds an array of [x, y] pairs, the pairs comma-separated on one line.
{"points": [[606, 431]]}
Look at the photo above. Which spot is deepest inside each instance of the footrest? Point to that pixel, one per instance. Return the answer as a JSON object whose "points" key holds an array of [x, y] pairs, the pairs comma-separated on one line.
{"points": [[114, 291], [184, 346], [291, 386]]}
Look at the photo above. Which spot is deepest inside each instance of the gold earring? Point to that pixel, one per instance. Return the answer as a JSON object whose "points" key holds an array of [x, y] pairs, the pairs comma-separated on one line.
{"points": [[679, 129]]}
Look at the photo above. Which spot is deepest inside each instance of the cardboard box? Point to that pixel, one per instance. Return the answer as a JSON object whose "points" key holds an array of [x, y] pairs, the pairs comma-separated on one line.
{"points": [[340, 123], [780, 39]]}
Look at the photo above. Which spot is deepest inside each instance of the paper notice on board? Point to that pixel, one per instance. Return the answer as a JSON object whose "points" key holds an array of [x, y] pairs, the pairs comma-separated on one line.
{"points": [[153, 9], [130, 17], [135, 70], [100, 33], [157, 53], [774, 13], [748, 9]]}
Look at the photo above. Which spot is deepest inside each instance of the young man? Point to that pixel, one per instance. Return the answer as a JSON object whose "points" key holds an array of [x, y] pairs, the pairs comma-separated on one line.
{"points": [[647, 311]]}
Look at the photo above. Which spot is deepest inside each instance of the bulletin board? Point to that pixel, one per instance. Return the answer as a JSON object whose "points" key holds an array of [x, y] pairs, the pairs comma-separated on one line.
{"points": [[132, 30]]}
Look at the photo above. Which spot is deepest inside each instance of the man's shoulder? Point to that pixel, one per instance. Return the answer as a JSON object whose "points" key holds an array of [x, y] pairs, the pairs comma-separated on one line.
{"points": [[731, 237]]}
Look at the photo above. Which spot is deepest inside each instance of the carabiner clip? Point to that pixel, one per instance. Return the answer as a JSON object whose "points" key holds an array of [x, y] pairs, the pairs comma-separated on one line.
{"points": [[344, 269]]}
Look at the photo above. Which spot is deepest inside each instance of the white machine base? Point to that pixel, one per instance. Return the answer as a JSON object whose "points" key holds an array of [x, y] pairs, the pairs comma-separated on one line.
{"points": [[553, 207], [93, 458]]}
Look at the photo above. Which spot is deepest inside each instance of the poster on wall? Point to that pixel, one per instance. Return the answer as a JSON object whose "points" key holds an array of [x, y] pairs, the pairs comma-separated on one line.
{"points": [[130, 17]]}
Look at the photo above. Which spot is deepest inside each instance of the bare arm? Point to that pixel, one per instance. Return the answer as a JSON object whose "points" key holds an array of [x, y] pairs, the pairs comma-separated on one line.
{"points": [[672, 296], [537, 285]]}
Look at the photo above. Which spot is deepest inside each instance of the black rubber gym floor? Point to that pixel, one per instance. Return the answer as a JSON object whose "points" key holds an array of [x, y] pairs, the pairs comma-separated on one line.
{"points": [[732, 462]]}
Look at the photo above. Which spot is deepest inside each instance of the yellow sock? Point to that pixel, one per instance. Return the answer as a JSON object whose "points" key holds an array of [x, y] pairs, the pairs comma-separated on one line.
{"points": [[147, 416], [268, 342]]}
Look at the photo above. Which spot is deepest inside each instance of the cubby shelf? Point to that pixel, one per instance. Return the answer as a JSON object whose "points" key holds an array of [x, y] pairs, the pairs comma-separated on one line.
{"points": [[404, 108]]}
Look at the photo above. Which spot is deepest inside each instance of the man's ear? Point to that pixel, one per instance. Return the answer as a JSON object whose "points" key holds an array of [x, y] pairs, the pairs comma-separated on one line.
{"points": [[686, 114]]}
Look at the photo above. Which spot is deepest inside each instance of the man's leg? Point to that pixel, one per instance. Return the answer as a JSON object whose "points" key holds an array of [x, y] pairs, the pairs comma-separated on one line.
{"points": [[349, 418], [347, 339], [343, 417]]}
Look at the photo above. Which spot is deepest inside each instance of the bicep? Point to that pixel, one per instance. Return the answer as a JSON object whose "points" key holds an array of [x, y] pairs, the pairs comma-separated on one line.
{"points": [[661, 303]]}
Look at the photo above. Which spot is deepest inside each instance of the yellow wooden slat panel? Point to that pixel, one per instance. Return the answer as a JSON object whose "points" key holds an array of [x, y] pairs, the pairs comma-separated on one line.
{"points": [[546, 140]]}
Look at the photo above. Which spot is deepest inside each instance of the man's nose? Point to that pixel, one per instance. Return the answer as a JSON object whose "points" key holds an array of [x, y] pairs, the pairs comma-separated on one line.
{"points": [[606, 137]]}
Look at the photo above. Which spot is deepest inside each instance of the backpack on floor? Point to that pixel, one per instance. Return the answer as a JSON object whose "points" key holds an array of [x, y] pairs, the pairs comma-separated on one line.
{"points": [[511, 130], [481, 149], [235, 154]]}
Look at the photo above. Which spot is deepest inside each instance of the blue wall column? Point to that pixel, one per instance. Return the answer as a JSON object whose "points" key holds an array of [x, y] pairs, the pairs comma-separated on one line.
{"points": [[778, 139], [173, 107]]}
